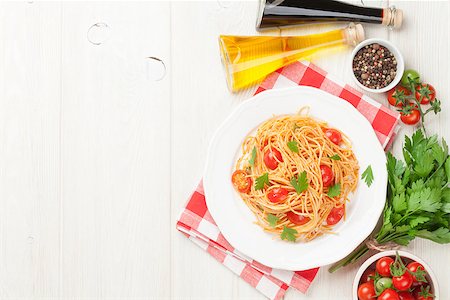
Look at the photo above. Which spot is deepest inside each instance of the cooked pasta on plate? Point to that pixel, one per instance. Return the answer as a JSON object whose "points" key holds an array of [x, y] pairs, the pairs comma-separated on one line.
{"points": [[295, 174]]}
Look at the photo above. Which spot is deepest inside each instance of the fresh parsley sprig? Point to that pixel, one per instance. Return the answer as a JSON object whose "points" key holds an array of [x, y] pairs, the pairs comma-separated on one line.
{"points": [[300, 182], [289, 234], [418, 200], [334, 190], [335, 157], [293, 146], [262, 181], [272, 220], [252, 159], [367, 176]]}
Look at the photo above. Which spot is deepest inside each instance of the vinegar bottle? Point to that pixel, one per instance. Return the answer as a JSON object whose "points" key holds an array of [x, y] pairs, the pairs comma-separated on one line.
{"points": [[273, 13], [248, 59]]}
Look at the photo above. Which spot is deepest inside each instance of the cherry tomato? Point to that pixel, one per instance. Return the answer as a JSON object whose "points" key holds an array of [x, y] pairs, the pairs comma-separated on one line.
{"points": [[403, 282], [368, 275], [414, 267], [297, 219], [327, 175], [366, 291], [241, 181], [388, 294], [423, 293], [413, 117], [333, 135], [426, 92], [405, 296], [397, 96], [383, 266], [430, 297], [277, 195], [272, 157], [412, 75], [383, 283], [335, 215]]}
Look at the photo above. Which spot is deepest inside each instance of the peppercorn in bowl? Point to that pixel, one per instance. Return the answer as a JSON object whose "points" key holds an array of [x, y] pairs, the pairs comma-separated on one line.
{"points": [[377, 65]]}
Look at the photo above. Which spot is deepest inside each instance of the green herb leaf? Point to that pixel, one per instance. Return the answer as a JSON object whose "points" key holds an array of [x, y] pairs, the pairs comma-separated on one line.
{"points": [[289, 234], [253, 157], [367, 176], [293, 146], [262, 181], [447, 169], [431, 200], [440, 235], [335, 157], [300, 183], [418, 220], [334, 190], [273, 220], [399, 203]]}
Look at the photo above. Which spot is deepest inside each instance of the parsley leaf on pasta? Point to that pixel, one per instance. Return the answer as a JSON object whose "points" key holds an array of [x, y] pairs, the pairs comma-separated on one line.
{"points": [[367, 175], [289, 234], [253, 157], [293, 146], [334, 190], [335, 157], [300, 183], [261, 181], [273, 220]]}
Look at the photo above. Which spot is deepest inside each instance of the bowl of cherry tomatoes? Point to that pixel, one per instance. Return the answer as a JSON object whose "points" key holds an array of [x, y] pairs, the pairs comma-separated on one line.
{"points": [[395, 275]]}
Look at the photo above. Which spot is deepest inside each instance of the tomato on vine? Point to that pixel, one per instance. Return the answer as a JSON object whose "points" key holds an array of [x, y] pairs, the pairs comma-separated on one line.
{"points": [[398, 96], [425, 93]]}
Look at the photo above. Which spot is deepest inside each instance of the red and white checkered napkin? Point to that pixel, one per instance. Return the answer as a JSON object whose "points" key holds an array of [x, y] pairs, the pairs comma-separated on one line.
{"points": [[198, 225]]}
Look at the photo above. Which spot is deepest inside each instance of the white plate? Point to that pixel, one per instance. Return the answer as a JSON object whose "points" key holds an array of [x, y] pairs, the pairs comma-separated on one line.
{"points": [[235, 219]]}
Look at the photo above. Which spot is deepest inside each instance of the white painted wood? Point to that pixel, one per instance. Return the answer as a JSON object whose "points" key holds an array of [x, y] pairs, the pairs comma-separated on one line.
{"points": [[29, 150], [97, 158], [115, 165]]}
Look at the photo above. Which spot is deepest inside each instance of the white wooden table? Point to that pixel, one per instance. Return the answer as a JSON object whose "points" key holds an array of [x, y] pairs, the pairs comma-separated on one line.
{"points": [[97, 158]]}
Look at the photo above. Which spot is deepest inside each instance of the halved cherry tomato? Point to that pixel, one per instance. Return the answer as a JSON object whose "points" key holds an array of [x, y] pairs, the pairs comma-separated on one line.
{"points": [[368, 276], [335, 215], [241, 181], [388, 294], [414, 267], [272, 157], [426, 92], [383, 266], [333, 135], [403, 282], [277, 195], [327, 175], [366, 291], [405, 296], [411, 118], [297, 219], [396, 96]]}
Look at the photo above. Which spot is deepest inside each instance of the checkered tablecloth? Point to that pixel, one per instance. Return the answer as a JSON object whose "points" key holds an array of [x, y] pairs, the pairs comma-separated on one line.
{"points": [[198, 225]]}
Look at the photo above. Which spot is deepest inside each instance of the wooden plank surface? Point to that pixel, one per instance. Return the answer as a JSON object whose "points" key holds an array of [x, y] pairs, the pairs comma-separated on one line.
{"points": [[98, 153], [29, 150]]}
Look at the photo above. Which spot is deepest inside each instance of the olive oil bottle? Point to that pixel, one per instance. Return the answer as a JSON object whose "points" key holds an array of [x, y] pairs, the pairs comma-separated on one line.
{"points": [[249, 59]]}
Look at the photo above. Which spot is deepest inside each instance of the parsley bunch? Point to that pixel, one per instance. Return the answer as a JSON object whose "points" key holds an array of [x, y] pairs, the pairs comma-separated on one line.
{"points": [[418, 200]]}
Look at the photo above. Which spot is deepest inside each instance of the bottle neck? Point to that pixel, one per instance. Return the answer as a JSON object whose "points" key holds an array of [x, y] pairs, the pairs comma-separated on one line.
{"points": [[392, 17], [292, 12]]}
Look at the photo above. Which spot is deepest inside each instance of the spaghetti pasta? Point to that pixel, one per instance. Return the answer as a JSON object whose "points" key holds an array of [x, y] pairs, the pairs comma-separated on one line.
{"points": [[295, 174]]}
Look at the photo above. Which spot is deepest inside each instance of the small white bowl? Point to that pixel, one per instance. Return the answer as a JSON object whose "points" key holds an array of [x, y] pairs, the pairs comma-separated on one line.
{"points": [[434, 287], [398, 56]]}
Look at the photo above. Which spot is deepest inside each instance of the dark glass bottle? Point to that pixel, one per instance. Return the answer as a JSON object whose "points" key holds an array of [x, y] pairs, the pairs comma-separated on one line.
{"points": [[273, 13]]}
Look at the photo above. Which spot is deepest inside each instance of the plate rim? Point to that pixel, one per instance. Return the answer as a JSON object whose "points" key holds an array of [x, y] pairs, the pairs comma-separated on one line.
{"points": [[242, 106]]}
